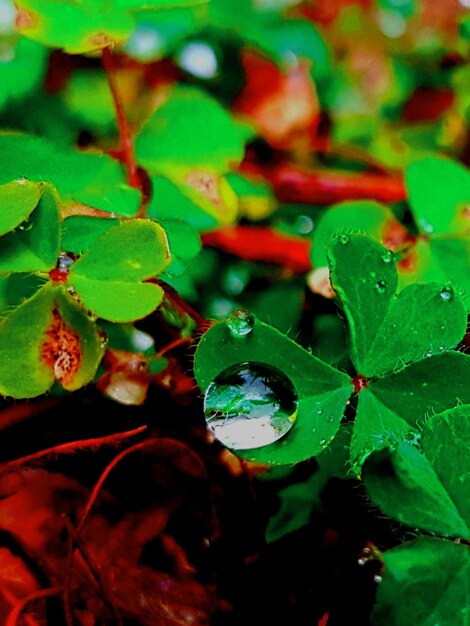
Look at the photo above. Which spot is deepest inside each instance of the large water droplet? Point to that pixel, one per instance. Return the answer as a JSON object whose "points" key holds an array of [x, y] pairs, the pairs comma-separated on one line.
{"points": [[380, 286], [240, 322], [250, 405], [446, 293]]}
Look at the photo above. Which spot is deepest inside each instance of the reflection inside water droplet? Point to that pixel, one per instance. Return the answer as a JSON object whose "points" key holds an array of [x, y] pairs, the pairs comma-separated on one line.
{"points": [[26, 225], [381, 286], [446, 293], [250, 405], [240, 322]]}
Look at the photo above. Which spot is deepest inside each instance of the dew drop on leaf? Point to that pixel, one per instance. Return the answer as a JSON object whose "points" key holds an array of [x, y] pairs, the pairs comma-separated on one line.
{"points": [[387, 256], [380, 286], [344, 239], [250, 405], [26, 225], [240, 322], [446, 293]]}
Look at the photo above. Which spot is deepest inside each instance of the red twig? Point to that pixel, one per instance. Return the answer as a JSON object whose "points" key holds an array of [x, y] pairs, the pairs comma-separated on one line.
{"points": [[127, 146], [73, 446], [35, 595], [300, 185]]}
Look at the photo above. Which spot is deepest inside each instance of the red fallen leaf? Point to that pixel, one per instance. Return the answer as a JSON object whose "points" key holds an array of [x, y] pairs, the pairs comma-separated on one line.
{"points": [[281, 104], [300, 185], [33, 515], [427, 104], [127, 378], [142, 593], [262, 244], [61, 350], [16, 582]]}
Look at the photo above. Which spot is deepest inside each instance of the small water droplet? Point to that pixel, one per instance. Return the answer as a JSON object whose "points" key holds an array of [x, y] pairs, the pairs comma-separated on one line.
{"points": [[323, 442], [331, 419], [319, 411], [377, 579], [427, 227], [65, 261], [240, 322], [380, 286], [26, 225], [442, 348], [388, 256], [446, 293], [250, 405], [344, 239]]}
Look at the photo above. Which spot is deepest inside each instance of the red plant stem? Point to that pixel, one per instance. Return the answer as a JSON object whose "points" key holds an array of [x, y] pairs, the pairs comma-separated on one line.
{"points": [[324, 619], [35, 595], [174, 344], [125, 137], [182, 306], [73, 446], [299, 185], [108, 469]]}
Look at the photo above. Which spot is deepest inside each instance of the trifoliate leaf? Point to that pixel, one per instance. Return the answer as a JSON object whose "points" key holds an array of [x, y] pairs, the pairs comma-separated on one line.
{"points": [[108, 277], [389, 330]]}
